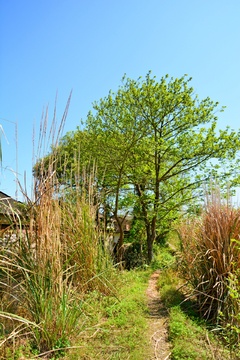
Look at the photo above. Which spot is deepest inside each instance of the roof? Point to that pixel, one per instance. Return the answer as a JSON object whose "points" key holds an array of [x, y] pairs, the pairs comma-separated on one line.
{"points": [[7, 203]]}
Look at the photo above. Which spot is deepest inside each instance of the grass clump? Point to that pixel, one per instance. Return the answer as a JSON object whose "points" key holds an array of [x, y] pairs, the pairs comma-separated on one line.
{"points": [[53, 261], [163, 258], [209, 256]]}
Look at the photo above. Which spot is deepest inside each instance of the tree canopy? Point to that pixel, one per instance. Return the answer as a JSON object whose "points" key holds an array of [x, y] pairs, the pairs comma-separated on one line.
{"points": [[153, 142]]}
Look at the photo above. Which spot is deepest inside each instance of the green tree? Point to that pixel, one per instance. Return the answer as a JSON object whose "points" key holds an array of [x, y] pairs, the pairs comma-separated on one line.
{"points": [[153, 142], [174, 140], [112, 144]]}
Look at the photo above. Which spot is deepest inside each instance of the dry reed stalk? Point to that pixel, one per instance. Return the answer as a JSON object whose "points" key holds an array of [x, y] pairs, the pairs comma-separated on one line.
{"points": [[84, 243], [34, 269], [209, 256], [61, 251]]}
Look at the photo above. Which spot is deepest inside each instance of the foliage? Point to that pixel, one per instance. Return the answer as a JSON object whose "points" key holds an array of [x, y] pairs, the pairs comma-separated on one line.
{"points": [[153, 142], [154, 127], [135, 254]]}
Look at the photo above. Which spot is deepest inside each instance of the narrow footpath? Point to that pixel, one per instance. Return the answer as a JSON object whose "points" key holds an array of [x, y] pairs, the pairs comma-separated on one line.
{"points": [[158, 321]]}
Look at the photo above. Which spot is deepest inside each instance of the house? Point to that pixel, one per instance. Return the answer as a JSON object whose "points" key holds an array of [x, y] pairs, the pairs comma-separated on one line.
{"points": [[126, 227], [9, 210], [111, 227]]}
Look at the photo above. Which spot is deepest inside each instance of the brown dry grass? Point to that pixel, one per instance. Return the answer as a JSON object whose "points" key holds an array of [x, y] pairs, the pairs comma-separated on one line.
{"points": [[209, 255], [56, 258]]}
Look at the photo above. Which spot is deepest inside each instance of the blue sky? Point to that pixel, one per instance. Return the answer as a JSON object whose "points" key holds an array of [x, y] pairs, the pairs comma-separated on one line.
{"points": [[87, 46]]}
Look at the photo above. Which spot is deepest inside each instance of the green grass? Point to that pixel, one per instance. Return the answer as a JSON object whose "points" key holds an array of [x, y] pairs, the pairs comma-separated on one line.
{"points": [[168, 284], [173, 239], [117, 329], [162, 258], [187, 338], [191, 339]]}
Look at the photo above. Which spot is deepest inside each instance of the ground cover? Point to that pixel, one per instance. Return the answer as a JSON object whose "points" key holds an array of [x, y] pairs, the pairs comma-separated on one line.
{"points": [[117, 327]]}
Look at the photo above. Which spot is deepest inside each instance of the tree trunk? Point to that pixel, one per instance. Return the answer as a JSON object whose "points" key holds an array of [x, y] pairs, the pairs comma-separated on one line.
{"points": [[120, 242], [120, 245], [151, 235], [150, 226], [150, 249]]}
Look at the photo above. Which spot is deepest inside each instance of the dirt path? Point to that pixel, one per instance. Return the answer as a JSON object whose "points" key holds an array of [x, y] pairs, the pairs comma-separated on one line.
{"points": [[158, 321]]}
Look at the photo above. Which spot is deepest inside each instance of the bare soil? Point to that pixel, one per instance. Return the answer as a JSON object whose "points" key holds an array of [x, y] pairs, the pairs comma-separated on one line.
{"points": [[158, 321]]}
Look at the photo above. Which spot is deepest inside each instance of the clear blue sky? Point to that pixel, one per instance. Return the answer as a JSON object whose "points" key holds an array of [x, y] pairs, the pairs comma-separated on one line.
{"points": [[87, 46]]}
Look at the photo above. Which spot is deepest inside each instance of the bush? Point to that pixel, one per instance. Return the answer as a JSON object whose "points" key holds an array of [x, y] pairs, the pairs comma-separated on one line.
{"points": [[133, 255]]}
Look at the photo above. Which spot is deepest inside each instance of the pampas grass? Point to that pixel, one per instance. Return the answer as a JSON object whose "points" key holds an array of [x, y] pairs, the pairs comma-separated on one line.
{"points": [[59, 255], [209, 256]]}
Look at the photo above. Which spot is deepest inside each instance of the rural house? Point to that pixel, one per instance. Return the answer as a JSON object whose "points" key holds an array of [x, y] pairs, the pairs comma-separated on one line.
{"points": [[8, 210]]}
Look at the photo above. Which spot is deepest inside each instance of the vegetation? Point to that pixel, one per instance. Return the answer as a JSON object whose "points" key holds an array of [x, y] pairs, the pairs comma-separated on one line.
{"points": [[145, 152], [210, 255], [48, 266], [190, 336], [153, 142], [121, 325], [191, 340], [209, 262]]}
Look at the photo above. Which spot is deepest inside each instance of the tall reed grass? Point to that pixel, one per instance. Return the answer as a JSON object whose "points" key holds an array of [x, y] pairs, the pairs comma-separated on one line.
{"points": [[57, 256], [209, 257]]}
